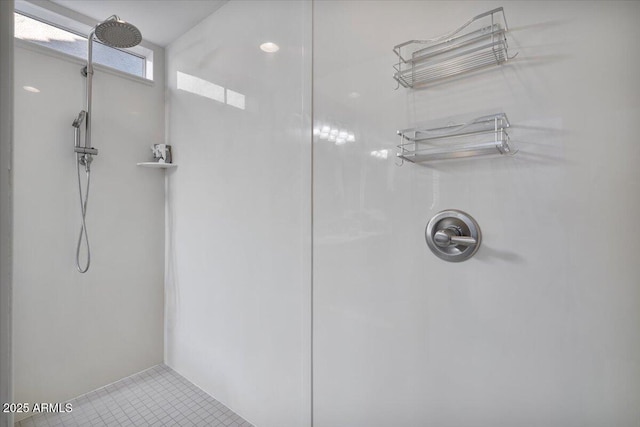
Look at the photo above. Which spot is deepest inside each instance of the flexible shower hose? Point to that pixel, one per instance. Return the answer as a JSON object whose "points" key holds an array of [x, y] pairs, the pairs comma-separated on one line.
{"points": [[83, 211]]}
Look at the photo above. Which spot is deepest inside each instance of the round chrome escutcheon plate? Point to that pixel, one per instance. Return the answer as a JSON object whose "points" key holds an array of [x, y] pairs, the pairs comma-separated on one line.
{"points": [[453, 235]]}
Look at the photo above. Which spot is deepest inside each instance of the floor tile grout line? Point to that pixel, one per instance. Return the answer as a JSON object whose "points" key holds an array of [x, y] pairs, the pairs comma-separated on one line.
{"points": [[156, 395]]}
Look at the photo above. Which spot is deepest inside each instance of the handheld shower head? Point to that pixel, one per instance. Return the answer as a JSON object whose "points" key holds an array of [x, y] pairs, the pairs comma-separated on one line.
{"points": [[115, 32], [78, 121]]}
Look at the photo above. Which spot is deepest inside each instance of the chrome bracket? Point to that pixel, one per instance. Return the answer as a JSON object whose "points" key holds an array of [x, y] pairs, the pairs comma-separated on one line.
{"points": [[85, 150], [453, 235]]}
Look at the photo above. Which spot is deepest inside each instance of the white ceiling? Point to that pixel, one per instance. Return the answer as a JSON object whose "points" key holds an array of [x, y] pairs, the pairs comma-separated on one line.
{"points": [[159, 21]]}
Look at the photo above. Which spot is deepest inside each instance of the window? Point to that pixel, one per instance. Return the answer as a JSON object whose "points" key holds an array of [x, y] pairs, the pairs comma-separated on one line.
{"points": [[40, 29]]}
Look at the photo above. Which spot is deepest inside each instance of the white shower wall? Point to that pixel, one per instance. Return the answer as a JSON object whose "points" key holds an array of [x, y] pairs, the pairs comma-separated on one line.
{"points": [[6, 229], [238, 265], [542, 326], [75, 332]]}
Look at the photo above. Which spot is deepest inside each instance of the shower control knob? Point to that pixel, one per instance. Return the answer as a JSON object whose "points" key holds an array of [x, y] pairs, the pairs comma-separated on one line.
{"points": [[453, 235]]}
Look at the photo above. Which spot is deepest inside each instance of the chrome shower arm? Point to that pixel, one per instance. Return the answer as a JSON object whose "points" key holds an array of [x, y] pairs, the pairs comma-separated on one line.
{"points": [[89, 75], [90, 51]]}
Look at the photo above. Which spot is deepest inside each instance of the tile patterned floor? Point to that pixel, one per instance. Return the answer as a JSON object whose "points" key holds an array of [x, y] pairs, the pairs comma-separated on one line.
{"points": [[158, 396]]}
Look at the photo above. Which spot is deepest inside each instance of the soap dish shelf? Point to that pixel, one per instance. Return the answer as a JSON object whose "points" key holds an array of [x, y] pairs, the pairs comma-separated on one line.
{"points": [[479, 43], [157, 165], [482, 136]]}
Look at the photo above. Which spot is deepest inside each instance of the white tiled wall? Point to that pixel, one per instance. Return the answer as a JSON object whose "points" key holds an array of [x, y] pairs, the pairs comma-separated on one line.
{"points": [[542, 326], [237, 298], [73, 332]]}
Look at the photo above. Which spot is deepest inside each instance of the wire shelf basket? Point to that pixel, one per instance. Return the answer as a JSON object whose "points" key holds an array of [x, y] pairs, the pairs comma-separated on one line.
{"points": [[481, 42], [482, 136]]}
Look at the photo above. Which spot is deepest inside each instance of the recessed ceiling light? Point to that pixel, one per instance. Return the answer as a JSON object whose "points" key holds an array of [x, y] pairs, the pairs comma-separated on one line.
{"points": [[31, 89], [269, 47]]}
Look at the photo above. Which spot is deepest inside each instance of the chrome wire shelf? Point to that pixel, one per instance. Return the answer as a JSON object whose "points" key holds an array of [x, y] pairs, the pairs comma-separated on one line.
{"points": [[482, 136], [481, 42]]}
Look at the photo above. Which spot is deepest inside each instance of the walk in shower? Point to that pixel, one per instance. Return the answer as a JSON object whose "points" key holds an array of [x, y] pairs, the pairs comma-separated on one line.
{"points": [[289, 269]]}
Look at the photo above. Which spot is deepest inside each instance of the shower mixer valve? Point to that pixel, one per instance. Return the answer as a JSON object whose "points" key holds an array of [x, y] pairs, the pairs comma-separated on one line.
{"points": [[85, 151], [85, 160], [453, 235]]}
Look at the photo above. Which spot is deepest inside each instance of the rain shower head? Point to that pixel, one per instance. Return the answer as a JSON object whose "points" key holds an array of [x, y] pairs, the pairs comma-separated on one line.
{"points": [[115, 32]]}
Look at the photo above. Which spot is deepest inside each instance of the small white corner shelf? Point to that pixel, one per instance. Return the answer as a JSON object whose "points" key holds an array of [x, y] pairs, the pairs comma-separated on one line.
{"points": [[157, 165]]}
